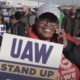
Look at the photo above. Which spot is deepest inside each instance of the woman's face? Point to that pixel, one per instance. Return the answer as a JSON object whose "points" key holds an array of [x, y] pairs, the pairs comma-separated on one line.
{"points": [[46, 26]]}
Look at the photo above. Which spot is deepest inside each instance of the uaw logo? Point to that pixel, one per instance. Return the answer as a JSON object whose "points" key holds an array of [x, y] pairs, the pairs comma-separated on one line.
{"points": [[65, 64], [2, 29]]}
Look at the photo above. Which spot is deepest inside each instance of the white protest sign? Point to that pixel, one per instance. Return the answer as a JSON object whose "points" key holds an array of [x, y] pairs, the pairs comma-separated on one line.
{"points": [[34, 59], [2, 29]]}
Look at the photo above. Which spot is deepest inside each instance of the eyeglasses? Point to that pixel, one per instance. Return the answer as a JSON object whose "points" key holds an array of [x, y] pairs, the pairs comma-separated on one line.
{"points": [[45, 22]]}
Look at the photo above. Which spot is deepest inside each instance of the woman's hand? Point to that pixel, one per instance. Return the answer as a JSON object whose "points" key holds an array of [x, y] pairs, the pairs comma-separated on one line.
{"points": [[61, 36]]}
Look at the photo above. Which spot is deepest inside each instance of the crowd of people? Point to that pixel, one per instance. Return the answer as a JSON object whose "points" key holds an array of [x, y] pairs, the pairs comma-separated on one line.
{"points": [[50, 24], [21, 21]]}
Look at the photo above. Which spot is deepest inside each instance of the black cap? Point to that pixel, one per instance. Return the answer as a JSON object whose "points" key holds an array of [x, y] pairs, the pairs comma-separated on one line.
{"points": [[18, 15]]}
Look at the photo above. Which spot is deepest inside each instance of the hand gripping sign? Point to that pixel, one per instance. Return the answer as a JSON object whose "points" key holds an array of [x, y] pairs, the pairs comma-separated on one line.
{"points": [[24, 58], [2, 29]]}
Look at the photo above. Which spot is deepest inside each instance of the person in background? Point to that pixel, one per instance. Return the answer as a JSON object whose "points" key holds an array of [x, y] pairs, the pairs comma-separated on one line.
{"points": [[13, 13], [71, 24], [19, 27], [3, 22], [65, 11], [27, 18], [47, 28], [31, 17], [10, 24], [61, 16]]}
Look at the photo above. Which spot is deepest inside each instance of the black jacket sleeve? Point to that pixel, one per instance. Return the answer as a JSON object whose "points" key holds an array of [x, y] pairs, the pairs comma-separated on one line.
{"points": [[72, 53], [21, 30]]}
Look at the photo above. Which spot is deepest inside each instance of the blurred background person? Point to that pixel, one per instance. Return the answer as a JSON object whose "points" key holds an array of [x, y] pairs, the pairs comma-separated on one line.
{"points": [[61, 16], [71, 23], [31, 17], [28, 17], [65, 11], [13, 12], [3, 22], [10, 24], [25, 17], [19, 26]]}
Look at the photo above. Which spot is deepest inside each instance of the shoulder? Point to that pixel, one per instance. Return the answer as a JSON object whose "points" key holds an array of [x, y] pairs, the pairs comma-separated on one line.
{"points": [[24, 17], [62, 13], [66, 17]]}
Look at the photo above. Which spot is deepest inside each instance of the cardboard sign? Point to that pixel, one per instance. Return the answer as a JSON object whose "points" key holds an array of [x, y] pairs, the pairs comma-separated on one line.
{"points": [[23, 58], [2, 29]]}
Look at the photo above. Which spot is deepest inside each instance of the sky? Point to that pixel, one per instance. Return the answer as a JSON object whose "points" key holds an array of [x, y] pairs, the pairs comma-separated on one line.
{"points": [[56, 2], [62, 2]]}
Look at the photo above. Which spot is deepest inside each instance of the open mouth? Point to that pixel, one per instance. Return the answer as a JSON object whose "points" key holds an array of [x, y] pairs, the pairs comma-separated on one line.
{"points": [[47, 30]]}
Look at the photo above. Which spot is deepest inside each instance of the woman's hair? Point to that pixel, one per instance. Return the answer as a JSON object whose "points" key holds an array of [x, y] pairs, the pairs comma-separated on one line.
{"points": [[2, 17]]}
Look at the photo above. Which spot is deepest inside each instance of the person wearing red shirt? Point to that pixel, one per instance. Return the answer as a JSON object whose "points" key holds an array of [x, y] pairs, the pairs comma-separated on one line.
{"points": [[47, 28]]}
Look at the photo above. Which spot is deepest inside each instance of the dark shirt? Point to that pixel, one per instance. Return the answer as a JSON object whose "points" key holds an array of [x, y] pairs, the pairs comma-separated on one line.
{"points": [[21, 30], [72, 27]]}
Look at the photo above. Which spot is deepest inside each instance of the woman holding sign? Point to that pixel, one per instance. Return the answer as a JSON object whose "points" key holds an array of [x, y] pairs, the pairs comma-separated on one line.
{"points": [[47, 28]]}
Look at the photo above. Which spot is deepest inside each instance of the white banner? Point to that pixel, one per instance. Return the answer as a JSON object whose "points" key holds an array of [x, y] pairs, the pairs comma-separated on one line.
{"points": [[38, 55], [2, 29]]}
